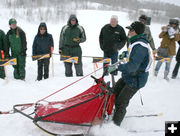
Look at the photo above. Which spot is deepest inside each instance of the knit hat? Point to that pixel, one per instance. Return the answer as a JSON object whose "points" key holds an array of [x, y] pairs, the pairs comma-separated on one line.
{"points": [[137, 26], [143, 17], [174, 21], [12, 21]]}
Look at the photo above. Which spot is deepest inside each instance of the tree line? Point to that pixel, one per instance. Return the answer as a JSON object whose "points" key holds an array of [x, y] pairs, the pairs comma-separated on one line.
{"points": [[60, 9]]}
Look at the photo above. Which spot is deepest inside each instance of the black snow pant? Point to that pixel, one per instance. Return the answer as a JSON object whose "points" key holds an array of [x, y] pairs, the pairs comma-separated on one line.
{"points": [[176, 69], [2, 72], [123, 94], [43, 67], [78, 68]]}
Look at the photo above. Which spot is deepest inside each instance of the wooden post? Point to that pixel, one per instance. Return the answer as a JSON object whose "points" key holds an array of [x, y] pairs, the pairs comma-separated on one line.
{"points": [[52, 61], [154, 59]]}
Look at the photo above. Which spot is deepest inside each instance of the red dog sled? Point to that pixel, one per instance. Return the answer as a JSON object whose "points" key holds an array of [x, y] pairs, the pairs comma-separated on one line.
{"points": [[74, 116]]}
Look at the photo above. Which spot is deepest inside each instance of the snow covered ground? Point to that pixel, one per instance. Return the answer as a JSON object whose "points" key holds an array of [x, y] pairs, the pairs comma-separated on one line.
{"points": [[159, 96]]}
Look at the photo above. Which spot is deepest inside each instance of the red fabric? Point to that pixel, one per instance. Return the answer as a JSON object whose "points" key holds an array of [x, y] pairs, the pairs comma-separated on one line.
{"points": [[84, 113]]}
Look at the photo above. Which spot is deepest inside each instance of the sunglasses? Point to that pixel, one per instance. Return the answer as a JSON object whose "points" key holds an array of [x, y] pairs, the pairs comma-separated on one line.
{"points": [[42, 29], [132, 30]]}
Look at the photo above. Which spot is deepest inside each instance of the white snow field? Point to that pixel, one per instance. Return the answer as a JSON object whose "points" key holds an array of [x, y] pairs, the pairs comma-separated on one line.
{"points": [[159, 96]]}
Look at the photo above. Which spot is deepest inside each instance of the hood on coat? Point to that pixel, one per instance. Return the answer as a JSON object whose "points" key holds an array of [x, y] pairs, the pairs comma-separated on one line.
{"points": [[44, 25], [72, 16]]}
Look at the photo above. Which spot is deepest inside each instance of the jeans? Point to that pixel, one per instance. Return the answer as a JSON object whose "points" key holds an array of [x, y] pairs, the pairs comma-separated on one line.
{"points": [[167, 67], [114, 59]]}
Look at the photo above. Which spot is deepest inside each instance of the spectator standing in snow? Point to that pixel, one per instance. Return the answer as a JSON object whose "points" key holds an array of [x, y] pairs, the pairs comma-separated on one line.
{"points": [[176, 68], [170, 34], [144, 19], [42, 44], [112, 38], [3, 51], [16, 41], [134, 72], [71, 36]]}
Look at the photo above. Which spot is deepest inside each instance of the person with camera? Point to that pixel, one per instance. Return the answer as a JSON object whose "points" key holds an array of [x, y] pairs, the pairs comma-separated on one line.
{"points": [[134, 72], [170, 34], [146, 21]]}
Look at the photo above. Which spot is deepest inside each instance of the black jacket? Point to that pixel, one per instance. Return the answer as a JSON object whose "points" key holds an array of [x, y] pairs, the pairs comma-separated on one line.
{"points": [[178, 53], [42, 43], [112, 39]]}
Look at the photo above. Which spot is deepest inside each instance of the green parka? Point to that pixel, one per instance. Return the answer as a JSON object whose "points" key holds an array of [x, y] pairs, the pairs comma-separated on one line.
{"points": [[3, 46], [16, 40]]}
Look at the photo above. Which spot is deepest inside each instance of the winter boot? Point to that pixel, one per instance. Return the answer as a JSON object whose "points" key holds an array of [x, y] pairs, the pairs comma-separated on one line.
{"points": [[166, 75], [173, 77], [155, 73], [118, 116]]}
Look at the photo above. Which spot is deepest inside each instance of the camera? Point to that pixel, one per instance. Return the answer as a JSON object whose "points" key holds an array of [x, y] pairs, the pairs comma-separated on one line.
{"points": [[171, 32], [148, 21]]}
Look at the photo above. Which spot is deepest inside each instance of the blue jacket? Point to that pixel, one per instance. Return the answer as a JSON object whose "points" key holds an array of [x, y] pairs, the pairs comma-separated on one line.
{"points": [[133, 72], [42, 43]]}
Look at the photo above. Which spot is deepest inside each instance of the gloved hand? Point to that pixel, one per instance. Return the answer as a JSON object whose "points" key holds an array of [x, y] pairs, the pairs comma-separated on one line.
{"points": [[155, 51], [60, 51], [171, 32], [77, 39], [112, 69], [123, 55]]}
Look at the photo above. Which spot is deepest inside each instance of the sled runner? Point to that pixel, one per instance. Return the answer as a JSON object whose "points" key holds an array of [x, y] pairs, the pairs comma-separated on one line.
{"points": [[74, 116]]}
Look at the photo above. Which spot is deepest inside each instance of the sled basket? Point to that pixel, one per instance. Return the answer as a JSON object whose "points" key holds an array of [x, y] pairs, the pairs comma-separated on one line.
{"points": [[76, 114]]}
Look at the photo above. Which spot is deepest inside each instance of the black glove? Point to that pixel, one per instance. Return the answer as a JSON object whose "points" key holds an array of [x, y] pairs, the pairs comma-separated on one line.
{"points": [[60, 52]]}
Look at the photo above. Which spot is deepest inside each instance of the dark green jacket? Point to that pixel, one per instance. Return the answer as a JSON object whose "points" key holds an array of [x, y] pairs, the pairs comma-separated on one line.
{"points": [[16, 40], [3, 46], [67, 34]]}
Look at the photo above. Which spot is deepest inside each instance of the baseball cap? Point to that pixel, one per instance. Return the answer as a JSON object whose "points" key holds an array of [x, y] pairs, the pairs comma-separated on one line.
{"points": [[137, 26]]}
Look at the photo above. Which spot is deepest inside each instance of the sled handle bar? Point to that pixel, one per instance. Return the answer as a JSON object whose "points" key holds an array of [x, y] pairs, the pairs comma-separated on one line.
{"points": [[98, 80]]}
